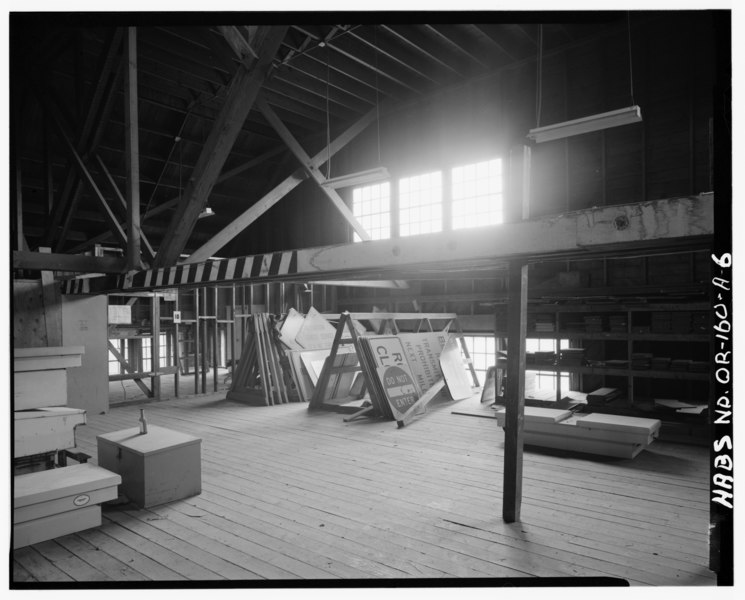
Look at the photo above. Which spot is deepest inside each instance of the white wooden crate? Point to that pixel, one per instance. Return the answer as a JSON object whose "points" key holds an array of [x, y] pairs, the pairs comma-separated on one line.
{"points": [[607, 435], [45, 429], [52, 503]]}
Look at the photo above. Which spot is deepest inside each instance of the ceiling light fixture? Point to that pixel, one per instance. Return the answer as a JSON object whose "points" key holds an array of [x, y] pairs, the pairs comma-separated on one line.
{"points": [[359, 178], [613, 118], [207, 212]]}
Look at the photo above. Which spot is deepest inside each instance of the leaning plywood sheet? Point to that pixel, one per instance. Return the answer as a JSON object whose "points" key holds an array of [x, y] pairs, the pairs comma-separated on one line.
{"points": [[45, 430], [290, 328], [316, 332], [451, 365], [44, 359]]}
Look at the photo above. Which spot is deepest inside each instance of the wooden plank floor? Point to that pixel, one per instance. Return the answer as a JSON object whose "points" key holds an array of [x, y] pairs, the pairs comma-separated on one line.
{"points": [[294, 495]]}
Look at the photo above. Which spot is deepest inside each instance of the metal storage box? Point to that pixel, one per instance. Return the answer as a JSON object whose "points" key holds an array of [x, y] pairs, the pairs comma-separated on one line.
{"points": [[156, 467]]}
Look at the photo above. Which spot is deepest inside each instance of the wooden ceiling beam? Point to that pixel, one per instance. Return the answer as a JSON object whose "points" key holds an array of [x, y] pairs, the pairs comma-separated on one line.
{"points": [[307, 163], [131, 152], [147, 248], [241, 96], [492, 33], [347, 55], [249, 164], [47, 261], [245, 219], [654, 227], [89, 134], [453, 38], [400, 56], [425, 46]]}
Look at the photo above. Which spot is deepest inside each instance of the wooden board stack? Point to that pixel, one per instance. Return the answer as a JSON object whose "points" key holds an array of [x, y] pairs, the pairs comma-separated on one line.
{"points": [[259, 378]]}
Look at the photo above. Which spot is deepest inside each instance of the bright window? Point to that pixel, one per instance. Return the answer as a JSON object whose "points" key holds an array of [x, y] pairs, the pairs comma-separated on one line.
{"points": [[371, 206], [477, 194], [481, 348], [147, 363], [420, 204], [115, 367], [546, 380]]}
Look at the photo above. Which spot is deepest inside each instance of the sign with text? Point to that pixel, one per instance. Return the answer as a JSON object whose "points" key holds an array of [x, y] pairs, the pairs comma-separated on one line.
{"points": [[400, 389]]}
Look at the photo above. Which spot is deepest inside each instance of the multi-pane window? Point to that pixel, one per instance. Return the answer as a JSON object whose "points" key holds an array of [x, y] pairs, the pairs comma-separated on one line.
{"points": [[546, 380], [115, 367], [481, 348], [420, 204], [371, 206], [147, 362], [477, 194]]}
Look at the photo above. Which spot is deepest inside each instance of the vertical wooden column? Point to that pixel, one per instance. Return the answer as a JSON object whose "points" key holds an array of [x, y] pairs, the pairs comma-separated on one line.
{"points": [[205, 339], [196, 341], [176, 350], [131, 154], [515, 392], [518, 208], [155, 345], [232, 330], [215, 340]]}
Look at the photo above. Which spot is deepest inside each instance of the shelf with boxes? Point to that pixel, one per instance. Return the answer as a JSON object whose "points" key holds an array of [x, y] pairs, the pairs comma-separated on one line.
{"points": [[648, 351]]}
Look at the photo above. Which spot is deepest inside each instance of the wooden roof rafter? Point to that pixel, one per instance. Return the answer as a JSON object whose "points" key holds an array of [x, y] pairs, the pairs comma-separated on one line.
{"points": [[242, 94]]}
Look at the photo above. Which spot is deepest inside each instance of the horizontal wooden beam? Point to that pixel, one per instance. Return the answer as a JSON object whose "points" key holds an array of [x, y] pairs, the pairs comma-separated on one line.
{"points": [[641, 228], [38, 261], [144, 375]]}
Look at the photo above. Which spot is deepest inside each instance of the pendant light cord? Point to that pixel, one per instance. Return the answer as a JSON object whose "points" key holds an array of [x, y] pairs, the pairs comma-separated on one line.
{"points": [[631, 62], [328, 118], [539, 76], [377, 103]]}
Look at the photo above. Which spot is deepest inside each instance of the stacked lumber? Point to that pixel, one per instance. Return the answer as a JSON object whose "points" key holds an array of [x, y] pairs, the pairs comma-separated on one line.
{"points": [[259, 378]]}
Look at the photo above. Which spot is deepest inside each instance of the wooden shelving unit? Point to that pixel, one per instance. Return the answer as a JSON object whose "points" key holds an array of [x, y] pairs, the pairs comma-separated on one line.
{"points": [[641, 324]]}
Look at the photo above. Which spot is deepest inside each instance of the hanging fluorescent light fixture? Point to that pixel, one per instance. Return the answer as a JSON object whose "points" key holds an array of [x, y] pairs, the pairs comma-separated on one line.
{"points": [[359, 178], [614, 118]]}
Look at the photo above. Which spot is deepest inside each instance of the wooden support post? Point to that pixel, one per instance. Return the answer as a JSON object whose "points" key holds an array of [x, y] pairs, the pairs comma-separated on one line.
{"points": [[232, 330], [196, 341], [515, 393], [155, 345], [52, 306], [176, 349], [20, 242], [131, 150], [203, 349], [215, 340]]}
